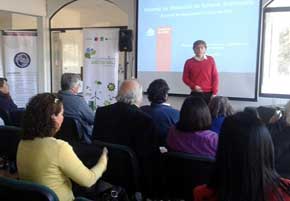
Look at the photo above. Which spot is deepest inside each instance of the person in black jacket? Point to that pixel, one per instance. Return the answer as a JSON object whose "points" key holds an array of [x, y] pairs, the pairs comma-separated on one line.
{"points": [[6, 102], [125, 123]]}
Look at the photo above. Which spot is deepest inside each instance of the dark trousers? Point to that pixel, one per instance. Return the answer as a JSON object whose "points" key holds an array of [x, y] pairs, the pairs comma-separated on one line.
{"points": [[206, 96]]}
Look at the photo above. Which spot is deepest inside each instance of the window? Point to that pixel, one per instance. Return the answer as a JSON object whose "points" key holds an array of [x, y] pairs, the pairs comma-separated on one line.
{"points": [[275, 76]]}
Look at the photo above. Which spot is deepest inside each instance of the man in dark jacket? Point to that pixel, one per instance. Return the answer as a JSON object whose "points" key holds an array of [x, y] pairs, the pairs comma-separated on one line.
{"points": [[6, 102], [163, 115], [126, 124]]}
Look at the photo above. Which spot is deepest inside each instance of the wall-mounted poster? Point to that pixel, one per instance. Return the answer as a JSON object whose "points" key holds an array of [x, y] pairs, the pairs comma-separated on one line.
{"points": [[20, 64]]}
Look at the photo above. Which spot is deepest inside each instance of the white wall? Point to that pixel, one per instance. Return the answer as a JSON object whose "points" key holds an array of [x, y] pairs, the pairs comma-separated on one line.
{"points": [[128, 6], [100, 17], [10, 20], [88, 13], [66, 18], [30, 7], [5, 20], [23, 22], [54, 5]]}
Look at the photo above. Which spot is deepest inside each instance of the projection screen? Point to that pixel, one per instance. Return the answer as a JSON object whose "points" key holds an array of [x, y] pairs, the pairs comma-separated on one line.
{"points": [[168, 28]]}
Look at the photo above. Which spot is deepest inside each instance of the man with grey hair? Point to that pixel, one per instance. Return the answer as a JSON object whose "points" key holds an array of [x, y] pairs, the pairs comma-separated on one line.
{"points": [[130, 92], [126, 124], [75, 106]]}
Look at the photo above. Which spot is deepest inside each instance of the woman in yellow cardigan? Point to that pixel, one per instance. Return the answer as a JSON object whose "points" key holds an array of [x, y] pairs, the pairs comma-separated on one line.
{"points": [[43, 159]]}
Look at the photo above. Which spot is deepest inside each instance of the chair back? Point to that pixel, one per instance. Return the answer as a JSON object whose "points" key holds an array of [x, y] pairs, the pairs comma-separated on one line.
{"points": [[122, 169], [68, 131], [5, 116], [266, 113], [11, 190], [16, 116], [9, 139], [182, 172]]}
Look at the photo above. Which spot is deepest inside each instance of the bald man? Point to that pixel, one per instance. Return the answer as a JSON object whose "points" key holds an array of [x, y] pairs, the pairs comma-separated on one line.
{"points": [[124, 123]]}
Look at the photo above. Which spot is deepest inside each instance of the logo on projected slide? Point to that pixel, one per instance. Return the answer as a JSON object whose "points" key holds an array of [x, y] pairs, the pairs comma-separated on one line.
{"points": [[22, 60]]}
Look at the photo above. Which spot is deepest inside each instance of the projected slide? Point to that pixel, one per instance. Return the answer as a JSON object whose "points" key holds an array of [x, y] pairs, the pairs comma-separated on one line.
{"points": [[168, 28]]}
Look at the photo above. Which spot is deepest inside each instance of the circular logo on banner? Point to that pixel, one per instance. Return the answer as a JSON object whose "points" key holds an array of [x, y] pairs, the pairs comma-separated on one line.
{"points": [[22, 60]]}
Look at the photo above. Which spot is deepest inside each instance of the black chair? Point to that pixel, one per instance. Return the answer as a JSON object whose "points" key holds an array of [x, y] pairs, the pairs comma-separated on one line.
{"points": [[266, 113], [122, 169], [182, 172], [11, 190], [5, 116], [9, 139], [16, 116], [252, 110], [69, 131]]}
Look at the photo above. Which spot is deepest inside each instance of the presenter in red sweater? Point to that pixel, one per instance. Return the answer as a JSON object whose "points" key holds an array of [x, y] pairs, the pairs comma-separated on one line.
{"points": [[200, 73]]}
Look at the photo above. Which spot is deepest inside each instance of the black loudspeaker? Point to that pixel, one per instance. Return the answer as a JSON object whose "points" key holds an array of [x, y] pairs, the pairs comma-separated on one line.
{"points": [[125, 40]]}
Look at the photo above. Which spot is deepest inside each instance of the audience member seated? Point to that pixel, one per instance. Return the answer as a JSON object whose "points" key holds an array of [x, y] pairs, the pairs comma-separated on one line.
{"points": [[220, 108], [280, 132], [125, 123], [48, 161], [1, 122], [75, 105], [163, 115], [6, 102], [244, 164], [191, 133]]}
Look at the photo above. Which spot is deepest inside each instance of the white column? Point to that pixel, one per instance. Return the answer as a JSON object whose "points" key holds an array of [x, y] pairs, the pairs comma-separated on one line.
{"points": [[44, 75]]}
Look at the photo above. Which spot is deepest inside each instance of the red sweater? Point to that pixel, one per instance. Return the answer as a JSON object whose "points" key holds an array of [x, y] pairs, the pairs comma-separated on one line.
{"points": [[202, 73], [202, 193]]}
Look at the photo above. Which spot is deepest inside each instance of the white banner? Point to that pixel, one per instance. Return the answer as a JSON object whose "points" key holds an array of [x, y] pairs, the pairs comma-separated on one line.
{"points": [[20, 63], [101, 66], [1, 56]]}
